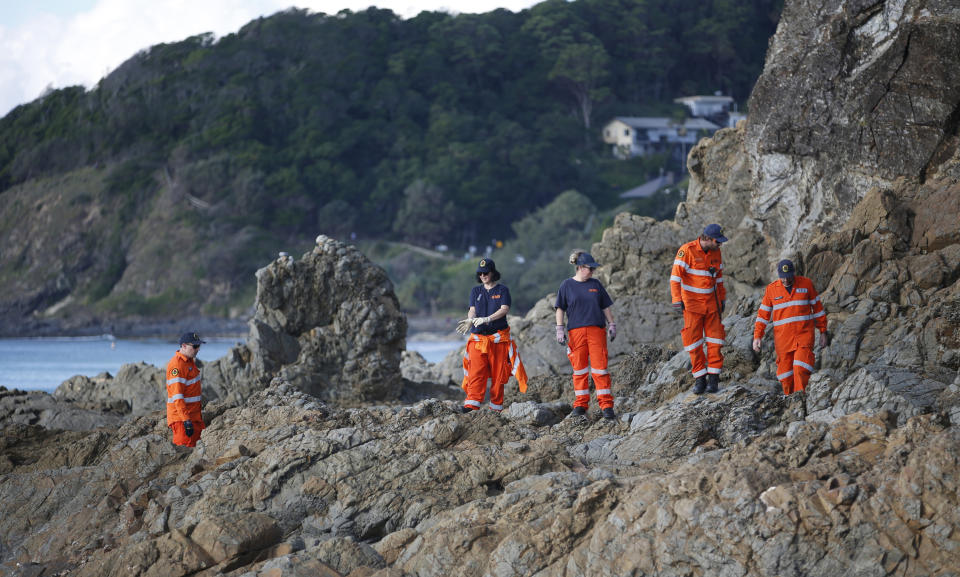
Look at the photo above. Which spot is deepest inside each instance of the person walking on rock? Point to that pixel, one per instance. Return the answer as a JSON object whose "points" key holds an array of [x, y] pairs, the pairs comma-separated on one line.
{"points": [[696, 285], [184, 416], [792, 306], [490, 356], [589, 323]]}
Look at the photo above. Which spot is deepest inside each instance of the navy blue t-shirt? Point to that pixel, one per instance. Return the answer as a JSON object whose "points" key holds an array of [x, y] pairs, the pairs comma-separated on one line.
{"points": [[486, 302], [583, 302]]}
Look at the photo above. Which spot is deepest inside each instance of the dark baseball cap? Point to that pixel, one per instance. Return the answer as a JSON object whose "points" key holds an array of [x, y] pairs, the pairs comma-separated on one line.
{"points": [[586, 259], [715, 232], [486, 265], [785, 269], [191, 338]]}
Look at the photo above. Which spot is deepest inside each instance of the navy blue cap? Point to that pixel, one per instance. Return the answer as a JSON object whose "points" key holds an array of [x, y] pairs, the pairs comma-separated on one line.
{"points": [[785, 269], [715, 232], [191, 339], [586, 259], [486, 265]]}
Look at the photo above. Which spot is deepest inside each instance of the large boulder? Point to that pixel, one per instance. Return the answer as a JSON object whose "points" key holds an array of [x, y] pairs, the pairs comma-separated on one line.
{"points": [[329, 323]]}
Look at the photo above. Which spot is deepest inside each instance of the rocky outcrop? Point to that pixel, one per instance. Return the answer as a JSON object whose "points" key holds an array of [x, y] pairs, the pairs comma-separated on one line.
{"points": [[329, 323], [287, 485]]}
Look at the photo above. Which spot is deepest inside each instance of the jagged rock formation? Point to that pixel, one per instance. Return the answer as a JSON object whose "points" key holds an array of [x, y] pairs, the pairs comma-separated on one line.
{"points": [[329, 323]]}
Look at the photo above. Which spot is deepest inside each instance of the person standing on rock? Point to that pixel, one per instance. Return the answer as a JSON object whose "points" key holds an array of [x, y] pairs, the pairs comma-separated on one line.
{"points": [[696, 285], [184, 416], [793, 307], [589, 322], [490, 356]]}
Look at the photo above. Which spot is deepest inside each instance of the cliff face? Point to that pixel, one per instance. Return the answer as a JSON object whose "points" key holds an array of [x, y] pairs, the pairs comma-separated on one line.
{"points": [[738, 483]]}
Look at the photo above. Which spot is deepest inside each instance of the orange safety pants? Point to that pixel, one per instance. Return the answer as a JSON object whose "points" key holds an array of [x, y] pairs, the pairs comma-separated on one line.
{"points": [[180, 436], [794, 368], [587, 351], [488, 363], [701, 329]]}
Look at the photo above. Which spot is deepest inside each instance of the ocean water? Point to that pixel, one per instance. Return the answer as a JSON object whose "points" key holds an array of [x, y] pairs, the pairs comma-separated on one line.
{"points": [[42, 364]]}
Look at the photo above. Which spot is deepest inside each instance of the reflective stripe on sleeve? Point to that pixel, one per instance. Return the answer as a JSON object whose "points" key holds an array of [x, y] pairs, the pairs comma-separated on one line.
{"points": [[762, 320]]}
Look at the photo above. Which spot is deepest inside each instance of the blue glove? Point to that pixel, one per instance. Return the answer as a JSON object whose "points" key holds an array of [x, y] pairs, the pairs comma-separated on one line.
{"points": [[188, 428]]}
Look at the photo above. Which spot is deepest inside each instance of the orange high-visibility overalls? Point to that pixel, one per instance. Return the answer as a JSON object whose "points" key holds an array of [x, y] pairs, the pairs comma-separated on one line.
{"points": [[700, 291], [794, 315], [184, 399], [587, 351], [491, 359]]}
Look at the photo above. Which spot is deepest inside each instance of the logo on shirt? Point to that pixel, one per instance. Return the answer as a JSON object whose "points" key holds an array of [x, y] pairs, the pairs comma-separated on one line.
{"points": [[174, 372], [494, 296], [777, 298], [680, 254], [593, 290]]}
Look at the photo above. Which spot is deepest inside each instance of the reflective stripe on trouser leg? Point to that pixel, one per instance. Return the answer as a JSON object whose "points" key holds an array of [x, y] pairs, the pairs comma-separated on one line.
{"points": [[597, 344], [579, 353], [692, 335], [500, 369], [478, 374], [785, 372], [803, 359], [714, 334]]}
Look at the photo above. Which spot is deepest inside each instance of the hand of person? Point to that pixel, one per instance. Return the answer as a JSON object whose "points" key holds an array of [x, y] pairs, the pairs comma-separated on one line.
{"points": [[463, 327], [561, 336], [188, 428], [756, 345], [678, 307], [480, 321], [612, 331], [723, 306], [824, 340]]}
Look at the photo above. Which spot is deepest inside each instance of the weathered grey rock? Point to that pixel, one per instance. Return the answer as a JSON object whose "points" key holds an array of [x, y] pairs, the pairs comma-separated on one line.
{"points": [[21, 408], [138, 388], [328, 323]]}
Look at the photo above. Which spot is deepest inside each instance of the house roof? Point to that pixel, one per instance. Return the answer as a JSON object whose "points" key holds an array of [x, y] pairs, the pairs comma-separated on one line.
{"points": [[706, 99], [652, 122]]}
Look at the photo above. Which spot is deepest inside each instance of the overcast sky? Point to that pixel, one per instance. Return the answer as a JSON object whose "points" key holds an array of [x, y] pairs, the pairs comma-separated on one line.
{"points": [[59, 43]]}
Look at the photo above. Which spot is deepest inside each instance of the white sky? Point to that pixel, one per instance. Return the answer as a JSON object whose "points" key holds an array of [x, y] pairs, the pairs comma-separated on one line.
{"points": [[60, 43]]}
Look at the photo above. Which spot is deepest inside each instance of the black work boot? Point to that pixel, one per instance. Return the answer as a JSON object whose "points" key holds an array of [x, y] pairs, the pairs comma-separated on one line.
{"points": [[713, 383], [699, 385], [609, 414], [578, 412]]}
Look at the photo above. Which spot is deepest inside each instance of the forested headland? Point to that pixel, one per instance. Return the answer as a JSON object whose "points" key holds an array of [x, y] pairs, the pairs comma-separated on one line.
{"points": [[162, 189]]}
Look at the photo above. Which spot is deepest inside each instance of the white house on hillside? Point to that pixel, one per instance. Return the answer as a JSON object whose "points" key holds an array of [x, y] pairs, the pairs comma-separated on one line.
{"points": [[707, 106], [639, 136]]}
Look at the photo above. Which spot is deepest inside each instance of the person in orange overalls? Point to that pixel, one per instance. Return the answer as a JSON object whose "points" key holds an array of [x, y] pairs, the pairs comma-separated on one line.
{"points": [[589, 323], [793, 307], [184, 415], [490, 356], [696, 286]]}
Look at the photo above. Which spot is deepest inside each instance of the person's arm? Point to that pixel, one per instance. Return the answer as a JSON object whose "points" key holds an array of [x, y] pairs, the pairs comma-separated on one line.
{"points": [[472, 312], [676, 279], [763, 319]]}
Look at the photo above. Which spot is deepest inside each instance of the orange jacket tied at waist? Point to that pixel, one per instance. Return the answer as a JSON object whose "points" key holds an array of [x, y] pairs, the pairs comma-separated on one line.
{"points": [[482, 342]]}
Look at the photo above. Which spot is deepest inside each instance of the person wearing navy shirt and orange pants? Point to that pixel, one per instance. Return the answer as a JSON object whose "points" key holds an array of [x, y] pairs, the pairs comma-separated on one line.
{"points": [[490, 356], [589, 322]]}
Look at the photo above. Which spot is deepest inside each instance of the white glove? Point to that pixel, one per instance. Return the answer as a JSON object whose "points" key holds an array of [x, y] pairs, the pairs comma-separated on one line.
{"points": [[463, 327], [480, 321]]}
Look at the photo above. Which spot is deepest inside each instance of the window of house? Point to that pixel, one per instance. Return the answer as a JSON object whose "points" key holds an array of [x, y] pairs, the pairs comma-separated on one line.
{"points": [[626, 132]]}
